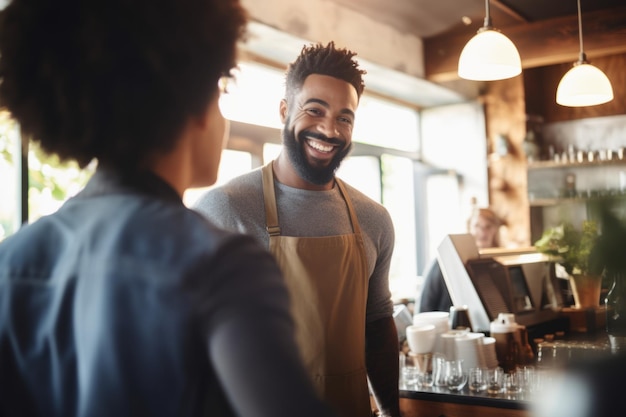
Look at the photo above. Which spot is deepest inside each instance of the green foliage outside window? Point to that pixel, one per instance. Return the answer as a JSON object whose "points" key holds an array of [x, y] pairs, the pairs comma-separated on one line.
{"points": [[50, 182], [8, 175]]}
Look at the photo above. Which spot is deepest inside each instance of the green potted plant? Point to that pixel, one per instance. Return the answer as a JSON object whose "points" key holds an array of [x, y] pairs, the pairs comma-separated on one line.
{"points": [[576, 250]]}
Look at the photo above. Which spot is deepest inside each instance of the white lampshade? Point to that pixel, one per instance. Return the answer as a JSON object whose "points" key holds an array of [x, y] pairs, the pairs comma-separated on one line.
{"points": [[489, 56], [584, 85]]}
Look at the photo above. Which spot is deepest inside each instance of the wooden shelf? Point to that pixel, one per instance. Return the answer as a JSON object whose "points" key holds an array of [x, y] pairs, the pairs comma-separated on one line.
{"points": [[545, 202], [565, 165]]}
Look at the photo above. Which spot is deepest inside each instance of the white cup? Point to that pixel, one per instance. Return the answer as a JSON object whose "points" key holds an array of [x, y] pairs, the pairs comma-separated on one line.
{"points": [[439, 319], [421, 338], [448, 345]]}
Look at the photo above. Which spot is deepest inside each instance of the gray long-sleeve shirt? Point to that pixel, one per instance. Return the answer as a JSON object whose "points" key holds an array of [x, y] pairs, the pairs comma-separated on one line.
{"points": [[238, 205]]}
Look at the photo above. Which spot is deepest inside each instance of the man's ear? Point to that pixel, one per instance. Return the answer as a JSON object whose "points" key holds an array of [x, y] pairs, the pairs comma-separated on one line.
{"points": [[284, 110]]}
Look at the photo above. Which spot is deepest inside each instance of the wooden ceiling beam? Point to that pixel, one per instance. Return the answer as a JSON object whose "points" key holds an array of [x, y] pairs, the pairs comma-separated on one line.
{"points": [[508, 11], [547, 42]]}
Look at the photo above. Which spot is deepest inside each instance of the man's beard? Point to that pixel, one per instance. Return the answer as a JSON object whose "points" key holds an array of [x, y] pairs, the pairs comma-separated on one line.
{"points": [[318, 175]]}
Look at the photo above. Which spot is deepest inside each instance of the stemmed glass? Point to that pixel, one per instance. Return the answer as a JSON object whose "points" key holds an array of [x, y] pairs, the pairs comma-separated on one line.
{"points": [[455, 377]]}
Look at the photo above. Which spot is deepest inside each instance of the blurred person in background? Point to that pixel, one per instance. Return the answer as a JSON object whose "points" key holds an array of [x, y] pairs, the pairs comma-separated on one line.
{"points": [[124, 302], [484, 225]]}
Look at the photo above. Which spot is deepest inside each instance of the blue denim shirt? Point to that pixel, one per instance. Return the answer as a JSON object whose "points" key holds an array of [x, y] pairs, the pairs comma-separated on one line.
{"points": [[126, 303]]}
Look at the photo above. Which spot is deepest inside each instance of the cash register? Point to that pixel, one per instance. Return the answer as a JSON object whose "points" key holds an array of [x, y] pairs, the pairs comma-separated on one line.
{"points": [[491, 281]]}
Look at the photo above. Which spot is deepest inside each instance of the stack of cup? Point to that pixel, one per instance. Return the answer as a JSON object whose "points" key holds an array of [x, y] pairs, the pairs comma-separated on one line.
{"points": [[439, 319], [489, 352], [418, 367], [448, 345], [421, 338], [469, 349]]}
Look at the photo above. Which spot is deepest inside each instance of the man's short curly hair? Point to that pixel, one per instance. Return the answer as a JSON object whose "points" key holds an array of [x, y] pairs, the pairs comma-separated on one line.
{"points": [[114, 80], [324, 60]]}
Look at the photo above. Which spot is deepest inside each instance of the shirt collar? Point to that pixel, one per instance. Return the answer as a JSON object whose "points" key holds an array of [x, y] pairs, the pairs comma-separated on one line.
{"points": [[107, 181]]}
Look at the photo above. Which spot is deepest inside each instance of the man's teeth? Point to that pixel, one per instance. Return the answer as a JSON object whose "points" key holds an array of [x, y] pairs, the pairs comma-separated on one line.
{"points": [[319, 146]]}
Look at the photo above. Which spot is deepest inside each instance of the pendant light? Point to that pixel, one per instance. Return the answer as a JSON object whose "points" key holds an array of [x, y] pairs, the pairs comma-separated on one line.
{"points": [[489, 55], [584, 84]]}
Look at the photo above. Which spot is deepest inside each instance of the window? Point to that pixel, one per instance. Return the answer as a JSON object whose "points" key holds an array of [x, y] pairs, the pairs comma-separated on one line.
{"points": [[399, 199], [363, 173], [232, 164], [253, 95], [386, 124], [10, 155], [49, 182]]}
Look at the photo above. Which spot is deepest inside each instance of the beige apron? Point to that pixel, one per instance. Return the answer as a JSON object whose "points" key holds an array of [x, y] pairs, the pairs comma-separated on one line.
{"points": [[328, 280]]}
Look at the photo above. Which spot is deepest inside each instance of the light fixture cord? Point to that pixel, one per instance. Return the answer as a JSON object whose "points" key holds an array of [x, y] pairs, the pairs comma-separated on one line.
{"points": [[583, 57], [487, 23]]}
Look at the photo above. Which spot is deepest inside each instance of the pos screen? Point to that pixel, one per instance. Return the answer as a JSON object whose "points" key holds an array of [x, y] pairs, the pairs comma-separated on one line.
{"points": [[521, 297]]}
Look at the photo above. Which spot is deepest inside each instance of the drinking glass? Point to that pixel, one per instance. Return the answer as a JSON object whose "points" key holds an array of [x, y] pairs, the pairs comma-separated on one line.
{"points": [[526, 376], [409, 370], [410, 374], [477, 379], [439, 363], [511, 383], [455, 378], [425, 379], [428, 368], [494, 381]]}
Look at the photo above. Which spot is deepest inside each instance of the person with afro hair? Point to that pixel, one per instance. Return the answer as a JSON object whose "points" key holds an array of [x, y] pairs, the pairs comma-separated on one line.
{"points": [[125, 302]]}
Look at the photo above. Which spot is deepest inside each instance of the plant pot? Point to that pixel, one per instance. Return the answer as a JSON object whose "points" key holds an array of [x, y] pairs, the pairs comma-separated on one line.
{"points": [[586, 289]]}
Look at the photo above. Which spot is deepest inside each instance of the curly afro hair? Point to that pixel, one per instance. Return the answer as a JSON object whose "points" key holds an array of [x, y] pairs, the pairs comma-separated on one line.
{"points": [[324, 60], [114, 80]]}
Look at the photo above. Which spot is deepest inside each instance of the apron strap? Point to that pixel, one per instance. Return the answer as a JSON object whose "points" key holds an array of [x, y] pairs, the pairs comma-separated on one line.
{"points": [[271, 212], [356, 228]]}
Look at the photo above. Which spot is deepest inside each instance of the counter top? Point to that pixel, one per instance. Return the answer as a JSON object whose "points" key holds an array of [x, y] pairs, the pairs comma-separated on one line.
{"points": [[466, 397]]}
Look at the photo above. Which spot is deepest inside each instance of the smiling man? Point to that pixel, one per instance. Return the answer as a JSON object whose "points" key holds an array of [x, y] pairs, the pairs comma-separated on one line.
{"points": [[333, 243]]}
